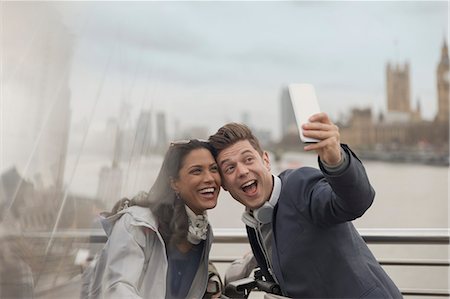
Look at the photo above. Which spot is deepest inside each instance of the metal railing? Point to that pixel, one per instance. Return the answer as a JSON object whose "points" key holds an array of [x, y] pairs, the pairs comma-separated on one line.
{"points": [[371, 236], [239, 236]]}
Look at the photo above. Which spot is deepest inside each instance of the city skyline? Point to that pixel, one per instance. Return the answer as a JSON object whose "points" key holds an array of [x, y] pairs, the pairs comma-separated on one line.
{"points": [[202, 64], [208, 63]]}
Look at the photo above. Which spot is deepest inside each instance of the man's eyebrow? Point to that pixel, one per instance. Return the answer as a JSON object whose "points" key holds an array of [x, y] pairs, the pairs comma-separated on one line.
{"points": [[240, 154], [246, 151]]}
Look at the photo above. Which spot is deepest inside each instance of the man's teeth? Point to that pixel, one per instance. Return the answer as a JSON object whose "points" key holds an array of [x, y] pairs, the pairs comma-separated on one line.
{"points": [[248, 183], [207, 190]]}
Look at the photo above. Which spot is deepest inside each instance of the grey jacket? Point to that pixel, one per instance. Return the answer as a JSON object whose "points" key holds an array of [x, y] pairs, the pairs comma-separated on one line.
{"points": [[133, 262]]}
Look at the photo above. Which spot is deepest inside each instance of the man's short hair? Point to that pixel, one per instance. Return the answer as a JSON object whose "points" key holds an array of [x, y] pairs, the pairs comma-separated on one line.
{"points": [[231, 133]]}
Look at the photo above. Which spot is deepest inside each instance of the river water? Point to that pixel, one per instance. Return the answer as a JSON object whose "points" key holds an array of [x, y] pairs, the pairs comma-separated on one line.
{"points": [[407, 195]]}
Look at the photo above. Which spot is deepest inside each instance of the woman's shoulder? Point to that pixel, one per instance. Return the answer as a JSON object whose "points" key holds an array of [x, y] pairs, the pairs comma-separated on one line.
{"points": [[140, 216], [134, 216], [139, 211]]}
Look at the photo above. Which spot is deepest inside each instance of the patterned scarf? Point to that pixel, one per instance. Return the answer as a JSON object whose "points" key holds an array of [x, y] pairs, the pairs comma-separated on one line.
{"points": [[198, 226]]}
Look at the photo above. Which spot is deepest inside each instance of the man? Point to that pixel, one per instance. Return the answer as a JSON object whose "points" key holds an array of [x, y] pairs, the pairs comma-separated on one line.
{"points": [[299, 223]]}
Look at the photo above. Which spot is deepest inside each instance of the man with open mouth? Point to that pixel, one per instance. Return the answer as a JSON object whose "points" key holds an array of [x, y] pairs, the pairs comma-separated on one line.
{"points": [[299, 222]]}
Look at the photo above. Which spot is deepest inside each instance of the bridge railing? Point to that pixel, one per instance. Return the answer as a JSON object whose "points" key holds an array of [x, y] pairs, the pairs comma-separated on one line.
{"points": [[440, 237]]}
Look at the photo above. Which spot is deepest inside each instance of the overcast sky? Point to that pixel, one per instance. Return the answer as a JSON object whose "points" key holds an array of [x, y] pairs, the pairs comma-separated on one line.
{"points": [[206, 63]]}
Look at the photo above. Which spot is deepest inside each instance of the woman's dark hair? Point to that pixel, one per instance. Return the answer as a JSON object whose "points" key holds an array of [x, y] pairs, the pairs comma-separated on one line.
{"points": [[166, 206]]}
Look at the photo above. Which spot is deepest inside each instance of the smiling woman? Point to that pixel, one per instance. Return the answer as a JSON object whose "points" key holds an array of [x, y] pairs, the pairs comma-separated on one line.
{"points": [[197, 181], [158, 243]]}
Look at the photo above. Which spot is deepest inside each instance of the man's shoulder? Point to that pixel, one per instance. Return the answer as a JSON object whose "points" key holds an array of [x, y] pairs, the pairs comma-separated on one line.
{"points": [[302, 173]]}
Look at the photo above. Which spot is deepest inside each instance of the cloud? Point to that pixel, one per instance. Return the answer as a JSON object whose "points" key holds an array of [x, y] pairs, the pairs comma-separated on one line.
{"points": [[339, 46]]}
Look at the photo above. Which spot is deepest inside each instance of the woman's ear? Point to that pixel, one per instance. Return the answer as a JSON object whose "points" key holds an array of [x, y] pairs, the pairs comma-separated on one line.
{"points": [[173, 184]]}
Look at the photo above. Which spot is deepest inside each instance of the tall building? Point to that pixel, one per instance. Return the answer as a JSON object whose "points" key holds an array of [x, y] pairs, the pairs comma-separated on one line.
{"points": [[288, 124], [401, 127], [245, 118], [161, 135], [37, 52], [443, 85], [398, 88], [143, 134]]}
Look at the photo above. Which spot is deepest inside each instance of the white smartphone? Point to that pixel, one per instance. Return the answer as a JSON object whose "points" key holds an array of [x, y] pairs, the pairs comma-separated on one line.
{"points": [[305, 104]]}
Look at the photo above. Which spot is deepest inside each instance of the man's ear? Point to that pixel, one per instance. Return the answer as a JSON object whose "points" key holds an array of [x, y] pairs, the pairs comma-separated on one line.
{"points": [[266, 160]]}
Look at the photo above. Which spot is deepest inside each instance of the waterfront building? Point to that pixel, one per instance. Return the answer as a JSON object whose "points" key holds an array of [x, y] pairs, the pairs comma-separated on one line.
{"points": [[398, 88]]}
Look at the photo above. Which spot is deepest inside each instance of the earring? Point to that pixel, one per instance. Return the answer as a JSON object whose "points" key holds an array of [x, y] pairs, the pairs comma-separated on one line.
{"points": [[177, 195]]}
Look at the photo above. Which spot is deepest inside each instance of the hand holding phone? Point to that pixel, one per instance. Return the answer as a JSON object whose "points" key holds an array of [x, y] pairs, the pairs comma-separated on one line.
{"points": [[305, 104]]}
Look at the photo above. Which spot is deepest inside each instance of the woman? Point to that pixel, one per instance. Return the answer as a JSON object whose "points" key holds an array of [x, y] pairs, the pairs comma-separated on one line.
{"points": [[158, 244]]}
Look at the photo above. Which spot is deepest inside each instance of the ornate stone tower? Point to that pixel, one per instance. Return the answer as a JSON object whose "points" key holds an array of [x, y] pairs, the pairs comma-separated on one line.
{"points": [[397, 88], [443, 85]]}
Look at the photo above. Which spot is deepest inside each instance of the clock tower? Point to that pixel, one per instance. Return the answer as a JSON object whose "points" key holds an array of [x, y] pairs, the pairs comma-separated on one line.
{"points": [[443, 85]]}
